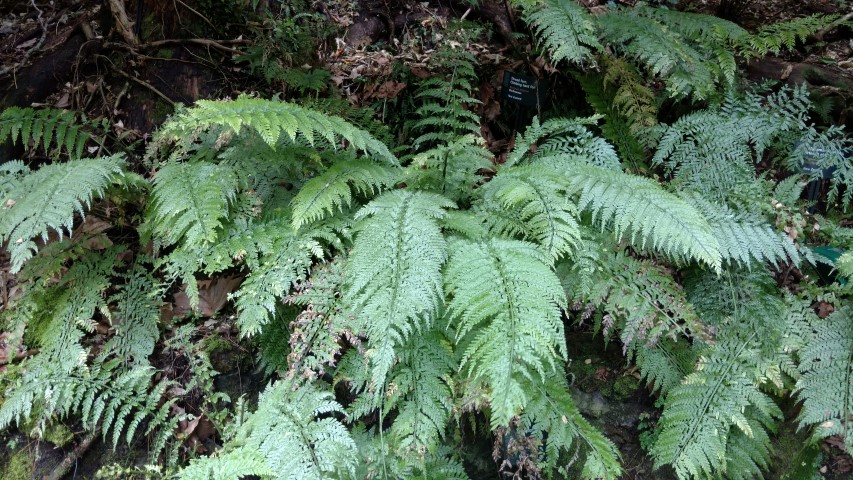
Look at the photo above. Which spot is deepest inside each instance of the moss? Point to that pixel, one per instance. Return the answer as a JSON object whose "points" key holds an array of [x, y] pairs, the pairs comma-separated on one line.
{"points": [[165, 53], [624, 387], [160, 110], [58, 434], [18, 465], [220, 352]]}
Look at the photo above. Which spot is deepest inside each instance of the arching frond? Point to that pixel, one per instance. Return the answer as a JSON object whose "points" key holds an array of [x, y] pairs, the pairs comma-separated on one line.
{"points": [[47, 199], [394, 271], [505, 309], [652, 216]]}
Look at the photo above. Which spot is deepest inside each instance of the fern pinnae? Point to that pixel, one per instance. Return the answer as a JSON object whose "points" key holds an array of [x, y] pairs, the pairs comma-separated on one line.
{"points": [[190, 202], [333, 189], [552, 412], [42, 202], [398, 287], [271, 120], [505, 308], [826, 384], [564, 28], [542, 207], [44, 127], [652, 215]]}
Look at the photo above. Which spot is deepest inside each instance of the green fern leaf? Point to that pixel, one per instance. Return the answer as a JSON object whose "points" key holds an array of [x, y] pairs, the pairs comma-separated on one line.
{"points": [[564, 28], [190, 201], [746, 239], [653, 216], [271, 120], [826, 385], [44, 201], [394, 271], [422, 383], [552, 412], [505, 308], [534, 199], [334, 188], [235, 464], [44, 127]]}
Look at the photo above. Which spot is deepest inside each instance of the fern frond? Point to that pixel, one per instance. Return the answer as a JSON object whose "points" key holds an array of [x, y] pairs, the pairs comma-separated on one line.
{"points": [[271, 120], [632, 98], [784, 35], [47, 199], [273, 276], [564, 28], [334, 188], [235, 464], [421, 385], [664, 365], [640, 299], [552, 411], [44, 127], [744, 238], [452, 169], [190, 201], [396, 288], [103, 396], [662, 51], [826, 385], [136, 317], [535, 199], [505, 308], [700, 414], [316, 332], [294, 434], [526, 144], [653, 216]]}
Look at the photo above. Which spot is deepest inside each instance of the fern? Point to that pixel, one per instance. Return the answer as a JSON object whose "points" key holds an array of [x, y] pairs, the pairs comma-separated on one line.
{"points": [[700, 414], [640, 299], [452, 169], [136, 317], [745, 239], [564, 28], [662, 51], [271, 120], [421, 385], [116, 403], [533, 201], [42, 202], [652, 215], [190, 201], [505, 308], [785, 35], [292, 435], [275, 274], [398, 287], [331, 190], [562, 136], [442, 113], [44, 127], [826, 385], [553, 412]]}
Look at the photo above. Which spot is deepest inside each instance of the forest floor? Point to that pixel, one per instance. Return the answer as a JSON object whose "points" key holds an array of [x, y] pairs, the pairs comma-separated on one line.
{"points": [[67, 54]]}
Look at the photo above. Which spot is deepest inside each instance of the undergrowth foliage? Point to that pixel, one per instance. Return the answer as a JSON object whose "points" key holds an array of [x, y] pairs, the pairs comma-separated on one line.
{"points": [[396, 300]]}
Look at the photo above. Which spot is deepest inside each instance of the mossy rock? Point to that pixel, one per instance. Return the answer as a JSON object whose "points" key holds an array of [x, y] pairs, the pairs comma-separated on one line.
{"points": [[58, 434], [625, 387]]}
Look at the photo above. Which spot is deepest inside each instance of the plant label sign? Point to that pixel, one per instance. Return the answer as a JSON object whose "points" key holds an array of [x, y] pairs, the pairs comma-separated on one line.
{"points": [[811, 166], [520, 89]]}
